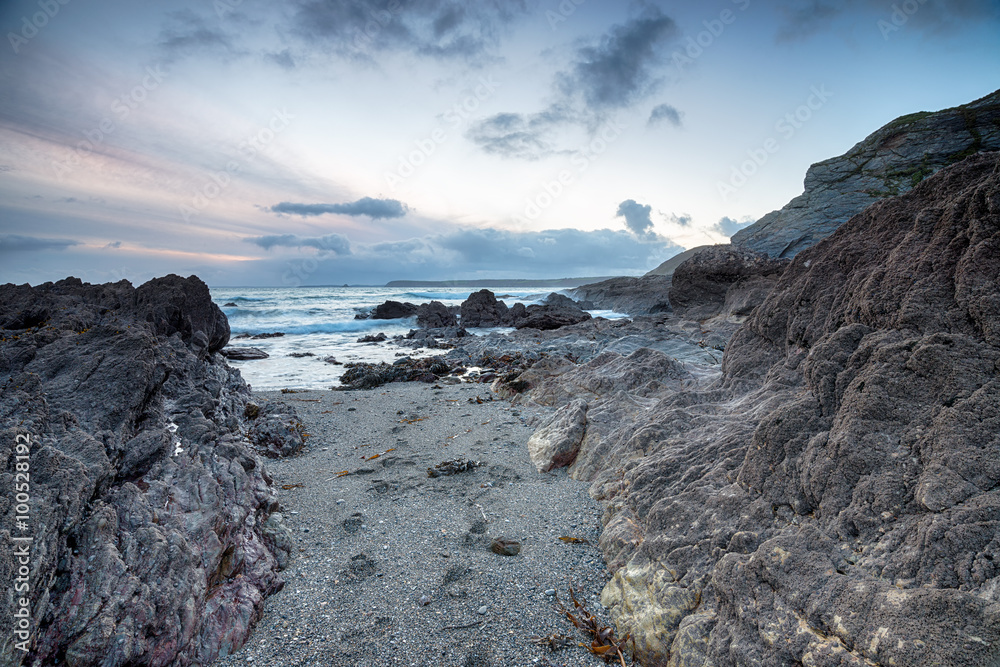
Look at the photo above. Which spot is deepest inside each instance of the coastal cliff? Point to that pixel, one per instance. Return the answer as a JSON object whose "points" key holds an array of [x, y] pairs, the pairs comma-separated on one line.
{"points": [[889, 162], [154, 536], [831, 496]]}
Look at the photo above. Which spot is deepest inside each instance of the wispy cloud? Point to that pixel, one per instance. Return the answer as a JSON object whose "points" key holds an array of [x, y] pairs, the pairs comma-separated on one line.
{"points": [[728, 226], [614, 72], [338, 244], [376, 209], [17, 243], [187, 33], [664, 112]]}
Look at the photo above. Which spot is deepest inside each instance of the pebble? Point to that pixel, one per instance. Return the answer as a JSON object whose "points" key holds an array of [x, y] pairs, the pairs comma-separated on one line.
{"points": [[424, 600], [483, 610], [550, 592]]}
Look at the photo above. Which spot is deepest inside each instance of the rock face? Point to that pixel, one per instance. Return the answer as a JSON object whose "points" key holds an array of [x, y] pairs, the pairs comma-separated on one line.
{"points": [[632, 296], [722, 275], [668, 267], [557, 442], [243, 353], [889, 162], [833, 497], [557, 311], [154, 538]]}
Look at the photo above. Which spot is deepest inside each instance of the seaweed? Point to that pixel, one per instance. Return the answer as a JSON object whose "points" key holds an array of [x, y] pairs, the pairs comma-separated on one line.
{"points": [[603, 643]]}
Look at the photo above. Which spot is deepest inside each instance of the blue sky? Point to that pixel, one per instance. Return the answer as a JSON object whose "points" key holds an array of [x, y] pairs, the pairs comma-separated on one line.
{"points": [[311, 142]]}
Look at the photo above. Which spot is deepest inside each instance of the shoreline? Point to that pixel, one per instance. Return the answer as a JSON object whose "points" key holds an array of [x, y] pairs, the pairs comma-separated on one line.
{"points": [[388, 562]]}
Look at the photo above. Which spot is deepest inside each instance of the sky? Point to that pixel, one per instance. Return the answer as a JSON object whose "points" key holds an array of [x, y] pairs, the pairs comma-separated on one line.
{"points": [[312, 142]]}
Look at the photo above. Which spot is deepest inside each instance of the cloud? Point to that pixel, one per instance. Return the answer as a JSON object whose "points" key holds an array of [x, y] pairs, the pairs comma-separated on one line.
{"points": [[664, 112], [727, 226], [621, 67], [282, 59], [613, 73], [805, 18], [14, 243], [114, 244], [442, 29], [636, 217], [338, 244], [376, 209], [683, 220], [188, 34], [515, 135]]}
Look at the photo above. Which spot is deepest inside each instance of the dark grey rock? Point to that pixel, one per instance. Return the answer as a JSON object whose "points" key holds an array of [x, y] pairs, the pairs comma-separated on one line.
{"points": [[631, 296], [393, 310], [243, 353], [435, 315], [482, 309], [720, 276], [151, 516]]}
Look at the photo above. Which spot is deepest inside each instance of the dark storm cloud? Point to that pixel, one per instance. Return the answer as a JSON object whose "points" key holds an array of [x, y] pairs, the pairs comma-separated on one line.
{"points": [[622, 66], [664, 112], [374, 208], [337, 244], [636, 217], [17, 243], [804, 18], [727, 226], [437, 28], [282, 59]]}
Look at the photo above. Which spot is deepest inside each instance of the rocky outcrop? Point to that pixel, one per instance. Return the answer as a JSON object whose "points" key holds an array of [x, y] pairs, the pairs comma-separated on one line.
{"points": [[557, 311], [243, 353], [482, 309], [154, 537], [889, 162], [833, 496], [631, 296], [557, 442], [435, 315], [393, 310], [723, 278]]}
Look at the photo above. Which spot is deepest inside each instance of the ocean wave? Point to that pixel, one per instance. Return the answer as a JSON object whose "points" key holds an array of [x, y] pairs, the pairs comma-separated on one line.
{"points": [[438, 295]]}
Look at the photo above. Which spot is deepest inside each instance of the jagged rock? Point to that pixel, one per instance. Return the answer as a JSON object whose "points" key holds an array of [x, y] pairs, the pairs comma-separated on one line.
{"points": [[482, 309], [380, 337], [243, 353], [889, 162], [392, 310], [148, 506], [276, 431], [557, 442], [833, 497], [369, 376], [720, 276], [435, 315], [263, 336], [632, 296], [557, 311]]}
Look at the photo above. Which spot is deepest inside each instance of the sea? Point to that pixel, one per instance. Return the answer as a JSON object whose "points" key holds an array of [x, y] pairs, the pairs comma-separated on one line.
{"points": [[321, 321]]}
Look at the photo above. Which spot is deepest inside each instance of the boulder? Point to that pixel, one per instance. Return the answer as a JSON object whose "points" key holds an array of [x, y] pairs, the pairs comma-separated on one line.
{"points": [[380, 337], [482, 309], [393, 310], [704, 284], [435, 315], [154, 537], [889, 162], [557, 442]]}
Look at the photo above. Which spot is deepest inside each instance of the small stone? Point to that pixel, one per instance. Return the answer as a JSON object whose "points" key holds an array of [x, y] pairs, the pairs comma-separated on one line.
{"points": [[505, 547], [424, 600], [483, 610], [550, 592], [340, 501]]}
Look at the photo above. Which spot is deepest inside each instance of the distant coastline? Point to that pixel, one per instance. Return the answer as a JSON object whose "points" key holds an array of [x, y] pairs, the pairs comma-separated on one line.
{"points": [[521, 282]]}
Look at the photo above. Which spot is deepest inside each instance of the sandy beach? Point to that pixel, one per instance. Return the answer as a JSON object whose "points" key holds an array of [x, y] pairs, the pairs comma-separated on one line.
{"points": [[394, 567]]}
